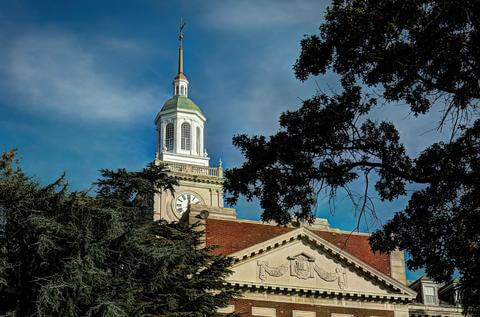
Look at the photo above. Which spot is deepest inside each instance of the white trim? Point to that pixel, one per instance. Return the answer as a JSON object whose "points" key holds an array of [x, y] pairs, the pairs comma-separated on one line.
{"points": [[226, 310], [165, 112], [328, 247], [264, 311], [303, 313], [319, 292], [321, 301]]}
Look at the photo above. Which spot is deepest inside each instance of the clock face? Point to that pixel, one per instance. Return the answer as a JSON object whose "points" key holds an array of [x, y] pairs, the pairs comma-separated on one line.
{"points": [[182, 201]]}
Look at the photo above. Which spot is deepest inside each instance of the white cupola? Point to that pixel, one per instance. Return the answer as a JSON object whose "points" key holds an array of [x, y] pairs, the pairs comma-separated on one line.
{"points": [[180, 123]]}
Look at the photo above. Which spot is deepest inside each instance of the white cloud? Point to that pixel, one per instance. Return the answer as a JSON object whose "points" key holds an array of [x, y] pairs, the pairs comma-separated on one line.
{"points": [[53, 72], [243, 15], [124, 46]]}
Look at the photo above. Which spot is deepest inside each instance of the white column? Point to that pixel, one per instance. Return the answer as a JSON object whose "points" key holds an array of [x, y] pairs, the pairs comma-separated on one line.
{"points": [[177, 135], [159, 127], [161, 136], [191, 136], [198, 146], [194, 138], [202, 147]]}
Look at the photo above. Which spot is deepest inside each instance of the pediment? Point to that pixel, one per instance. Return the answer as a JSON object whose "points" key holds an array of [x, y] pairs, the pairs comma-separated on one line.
{"points": [[302, 261]]}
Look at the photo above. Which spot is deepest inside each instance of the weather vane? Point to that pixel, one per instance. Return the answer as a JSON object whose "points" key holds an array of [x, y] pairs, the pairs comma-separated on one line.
{"points": [[182, 25]]}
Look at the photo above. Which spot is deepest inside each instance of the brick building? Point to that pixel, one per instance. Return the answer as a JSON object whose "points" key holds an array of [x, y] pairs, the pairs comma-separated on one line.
{"points": [[301, 271]]}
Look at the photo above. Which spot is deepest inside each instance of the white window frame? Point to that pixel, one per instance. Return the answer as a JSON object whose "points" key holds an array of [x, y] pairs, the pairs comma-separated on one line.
{"points": [[431, 295], [303, 313], [264, 311], [186, 136], [170, 137]]}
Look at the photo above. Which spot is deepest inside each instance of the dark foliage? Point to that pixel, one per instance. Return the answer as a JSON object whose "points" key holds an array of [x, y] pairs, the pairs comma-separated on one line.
{"points": [[71, 254], [419, 54]]}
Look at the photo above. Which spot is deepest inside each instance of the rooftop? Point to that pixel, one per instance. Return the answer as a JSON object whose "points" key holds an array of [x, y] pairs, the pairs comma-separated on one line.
{"points": [[234, 235], [180, 103]]}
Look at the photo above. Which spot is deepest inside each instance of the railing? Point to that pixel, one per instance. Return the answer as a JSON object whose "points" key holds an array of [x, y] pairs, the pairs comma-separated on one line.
{"points": [[192, 169]]}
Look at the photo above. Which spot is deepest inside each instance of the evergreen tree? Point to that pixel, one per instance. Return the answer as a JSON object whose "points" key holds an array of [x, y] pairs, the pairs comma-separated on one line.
{"points": [[420, 54], [73, 254]]}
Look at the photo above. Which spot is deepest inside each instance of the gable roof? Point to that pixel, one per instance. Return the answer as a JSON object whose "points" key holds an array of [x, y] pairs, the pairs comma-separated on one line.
{"points": [[401, 292], [233, 236]]}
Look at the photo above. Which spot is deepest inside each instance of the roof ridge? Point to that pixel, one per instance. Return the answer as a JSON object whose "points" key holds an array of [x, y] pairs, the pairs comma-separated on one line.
{"points": [[328, 229]]}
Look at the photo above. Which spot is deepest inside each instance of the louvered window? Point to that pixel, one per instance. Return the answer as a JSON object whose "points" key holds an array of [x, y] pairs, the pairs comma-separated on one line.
{"points": [[186, 138], [169, 137]]}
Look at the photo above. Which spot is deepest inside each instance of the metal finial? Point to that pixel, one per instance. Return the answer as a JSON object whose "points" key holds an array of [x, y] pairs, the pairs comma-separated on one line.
{"points": [[182, 25], [180, 50]]}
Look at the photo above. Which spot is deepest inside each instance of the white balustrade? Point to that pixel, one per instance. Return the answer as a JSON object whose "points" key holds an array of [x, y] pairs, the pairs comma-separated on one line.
{"points": [[192, 169]]}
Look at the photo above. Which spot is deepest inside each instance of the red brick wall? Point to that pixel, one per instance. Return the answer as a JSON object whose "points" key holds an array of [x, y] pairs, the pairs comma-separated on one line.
{"points": [[244, 308], [358, 246], [233, 236]]}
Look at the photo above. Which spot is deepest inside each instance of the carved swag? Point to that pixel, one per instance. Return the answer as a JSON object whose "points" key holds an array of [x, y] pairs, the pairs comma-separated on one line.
{"points": [[303, 267]]}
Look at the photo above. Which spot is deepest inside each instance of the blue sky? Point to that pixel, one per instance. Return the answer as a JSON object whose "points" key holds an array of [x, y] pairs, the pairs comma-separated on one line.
{"points": [[82, 81]]}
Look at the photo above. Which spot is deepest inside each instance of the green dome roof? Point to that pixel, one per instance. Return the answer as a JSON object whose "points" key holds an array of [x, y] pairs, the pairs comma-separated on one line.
{"points": [[180, 103]]}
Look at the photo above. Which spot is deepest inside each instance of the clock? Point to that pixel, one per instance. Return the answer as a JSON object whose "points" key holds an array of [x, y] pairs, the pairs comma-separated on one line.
{"points": [[182, 202]]}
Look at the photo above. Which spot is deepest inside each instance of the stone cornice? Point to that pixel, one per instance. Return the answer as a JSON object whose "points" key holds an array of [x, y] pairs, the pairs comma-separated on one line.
{"points": [[320, 293]]}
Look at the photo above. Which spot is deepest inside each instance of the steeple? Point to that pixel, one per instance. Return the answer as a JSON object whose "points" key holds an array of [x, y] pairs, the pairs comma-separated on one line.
{"points": [[180, 126], [180, 122], [180, 84]]}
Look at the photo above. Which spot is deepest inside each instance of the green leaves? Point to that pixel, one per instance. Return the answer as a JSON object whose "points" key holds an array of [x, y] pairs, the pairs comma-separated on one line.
{"points": [[75, 254], [319, 146], [421, 54], [416, 50]]}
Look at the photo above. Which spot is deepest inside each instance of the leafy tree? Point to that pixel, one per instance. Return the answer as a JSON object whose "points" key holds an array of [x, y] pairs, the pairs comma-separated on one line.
{"points": [[72, 254], [417, 54]]}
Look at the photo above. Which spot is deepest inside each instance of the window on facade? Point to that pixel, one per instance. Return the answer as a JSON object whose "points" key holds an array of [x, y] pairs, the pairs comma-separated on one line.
{"points": [[264, 311], [429, 293], [185, 136], [169, 138], [198, 140], [176, 90], [182, 89]]}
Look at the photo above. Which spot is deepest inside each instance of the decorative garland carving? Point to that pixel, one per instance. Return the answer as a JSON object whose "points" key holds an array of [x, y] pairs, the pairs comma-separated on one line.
{"points": [[303, 267], [272, 271], [340, 275], [324, 275]]}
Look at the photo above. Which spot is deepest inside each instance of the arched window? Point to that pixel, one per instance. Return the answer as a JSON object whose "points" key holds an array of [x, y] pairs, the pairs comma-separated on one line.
{"points": [[182, 89], [176, 90], [186, 136], [169, 137], [198, 140]]}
